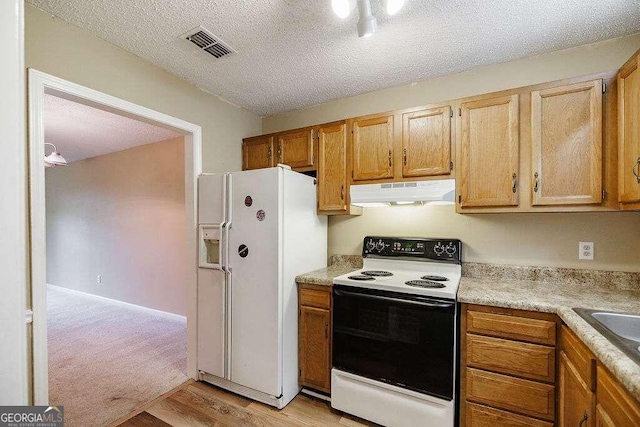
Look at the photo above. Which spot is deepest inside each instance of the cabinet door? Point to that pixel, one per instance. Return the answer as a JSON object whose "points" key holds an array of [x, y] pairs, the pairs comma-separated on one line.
{"points": [[602, 418], [617, 406], [314, 348], [629, 131], [566, 132], [257, 152], [372, 148], [332, 168], [426, 142], [295, 148], [576, 401], [489, 152]]}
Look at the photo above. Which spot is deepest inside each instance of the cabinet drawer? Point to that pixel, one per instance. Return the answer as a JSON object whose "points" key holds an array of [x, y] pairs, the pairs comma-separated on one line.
{"points": [[315, 297], [512, 327], [513, 394], [580, 356], [531, 361], [483, 416]]}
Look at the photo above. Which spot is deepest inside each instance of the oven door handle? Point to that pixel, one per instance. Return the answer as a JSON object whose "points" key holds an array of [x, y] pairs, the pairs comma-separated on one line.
{"points": [[408, 301]]}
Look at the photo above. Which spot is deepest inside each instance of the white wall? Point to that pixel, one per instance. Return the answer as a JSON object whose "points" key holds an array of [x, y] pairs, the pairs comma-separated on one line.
{"points": [[521, 239], [121, 216], [14, 389]]}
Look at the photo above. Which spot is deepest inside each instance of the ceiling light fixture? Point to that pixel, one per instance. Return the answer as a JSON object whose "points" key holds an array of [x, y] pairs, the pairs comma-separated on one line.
{"points": [[343, 8], [368, 23], [55, 158], [393, 6]]}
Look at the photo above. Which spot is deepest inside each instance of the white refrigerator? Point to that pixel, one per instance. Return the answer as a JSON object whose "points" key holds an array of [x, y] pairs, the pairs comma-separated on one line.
{"points": [[258, 230]]}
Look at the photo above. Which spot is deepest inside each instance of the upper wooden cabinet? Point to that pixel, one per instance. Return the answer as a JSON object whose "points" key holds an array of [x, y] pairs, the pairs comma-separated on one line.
{"points": [[333, 186], [257, 152], [372, 148], [566, 133], [295, 148], [426, 142], [629, 134], [489, 152]]}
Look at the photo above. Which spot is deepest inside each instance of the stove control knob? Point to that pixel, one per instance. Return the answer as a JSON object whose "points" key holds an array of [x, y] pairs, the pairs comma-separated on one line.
{"points": [[438, 248], [371, 245], [451, 249], [380, 245]]}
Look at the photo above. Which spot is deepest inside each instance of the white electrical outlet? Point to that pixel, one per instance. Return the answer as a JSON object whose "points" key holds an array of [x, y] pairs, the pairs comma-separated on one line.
{"points": [[586, 250], [99, 279]]}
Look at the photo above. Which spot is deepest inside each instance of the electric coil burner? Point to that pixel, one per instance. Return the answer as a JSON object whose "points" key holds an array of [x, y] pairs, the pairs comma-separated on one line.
{"points": [[377, 273], [394, 333], [434, 278], [361, 277], [424, 284]]}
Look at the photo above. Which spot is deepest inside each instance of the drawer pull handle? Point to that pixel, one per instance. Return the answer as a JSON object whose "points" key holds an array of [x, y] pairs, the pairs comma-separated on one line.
{"points": [[635, 172], [404, 155], [389, 158], [342, 192], [514, 182], [326, 333], [535, 187]]}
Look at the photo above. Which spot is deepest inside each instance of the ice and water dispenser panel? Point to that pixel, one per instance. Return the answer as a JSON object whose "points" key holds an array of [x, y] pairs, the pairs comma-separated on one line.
{"points": [[210, 246]]}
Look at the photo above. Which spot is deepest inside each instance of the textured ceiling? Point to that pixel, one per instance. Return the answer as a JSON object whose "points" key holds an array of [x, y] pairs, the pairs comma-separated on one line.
{"points": [[80, 132], [297, 53]]}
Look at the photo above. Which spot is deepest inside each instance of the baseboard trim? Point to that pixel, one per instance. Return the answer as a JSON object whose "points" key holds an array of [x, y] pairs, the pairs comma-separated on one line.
{"points": [[126, 304]]}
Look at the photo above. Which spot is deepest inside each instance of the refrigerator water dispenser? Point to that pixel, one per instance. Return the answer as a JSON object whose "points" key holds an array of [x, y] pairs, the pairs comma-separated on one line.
{"points": [[210, 247]]}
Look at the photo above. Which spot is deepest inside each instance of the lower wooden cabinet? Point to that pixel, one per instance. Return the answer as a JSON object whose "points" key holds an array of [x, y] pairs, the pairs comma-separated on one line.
{"points": [[615, 406], [576, 382], [508, 369], [576, 401], [314, 336], [509, 377]]}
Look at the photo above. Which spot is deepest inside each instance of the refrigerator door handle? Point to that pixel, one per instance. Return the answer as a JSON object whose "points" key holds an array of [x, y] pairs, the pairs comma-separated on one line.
{"points": [[223, 252], [227, 336]]}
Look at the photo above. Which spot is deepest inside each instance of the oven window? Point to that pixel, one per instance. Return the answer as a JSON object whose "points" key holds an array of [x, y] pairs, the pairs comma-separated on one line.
{"points": [[401, 339]]}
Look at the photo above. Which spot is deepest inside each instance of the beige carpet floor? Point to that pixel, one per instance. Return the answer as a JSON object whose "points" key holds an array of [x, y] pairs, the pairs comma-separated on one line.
{"points": [[107, 359]]}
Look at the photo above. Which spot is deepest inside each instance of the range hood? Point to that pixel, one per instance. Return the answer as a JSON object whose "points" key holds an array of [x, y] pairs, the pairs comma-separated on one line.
{"points": [[404, 193]]}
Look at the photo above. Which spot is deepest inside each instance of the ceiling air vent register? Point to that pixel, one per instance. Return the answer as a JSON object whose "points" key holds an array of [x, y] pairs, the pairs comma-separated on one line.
{"points": [[207, 42]]}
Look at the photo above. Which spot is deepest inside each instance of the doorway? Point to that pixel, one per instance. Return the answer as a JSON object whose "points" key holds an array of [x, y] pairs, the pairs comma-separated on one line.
{"points": [[41, 85]]}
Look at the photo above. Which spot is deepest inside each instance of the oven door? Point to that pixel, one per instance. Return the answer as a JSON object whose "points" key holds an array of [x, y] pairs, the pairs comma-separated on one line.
{"points": [[401, 339]]}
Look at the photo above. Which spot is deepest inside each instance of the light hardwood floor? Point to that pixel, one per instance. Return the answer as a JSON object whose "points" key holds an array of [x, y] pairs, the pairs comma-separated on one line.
{"points": [[201, 404]]}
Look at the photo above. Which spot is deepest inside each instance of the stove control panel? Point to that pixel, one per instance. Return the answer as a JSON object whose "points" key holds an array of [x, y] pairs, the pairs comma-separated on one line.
{"points": [[449, 250]]}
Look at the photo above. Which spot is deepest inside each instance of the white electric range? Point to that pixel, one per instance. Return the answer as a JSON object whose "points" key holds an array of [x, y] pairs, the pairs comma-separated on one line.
{"points": [[395, 333]]}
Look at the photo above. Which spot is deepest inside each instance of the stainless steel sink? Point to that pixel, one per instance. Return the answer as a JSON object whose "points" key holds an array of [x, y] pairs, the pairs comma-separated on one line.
{"points": [[621, 329]]}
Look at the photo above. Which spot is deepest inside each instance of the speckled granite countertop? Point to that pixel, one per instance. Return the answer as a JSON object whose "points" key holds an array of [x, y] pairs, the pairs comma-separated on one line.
{"points": [[338, 265], [560, 298]]}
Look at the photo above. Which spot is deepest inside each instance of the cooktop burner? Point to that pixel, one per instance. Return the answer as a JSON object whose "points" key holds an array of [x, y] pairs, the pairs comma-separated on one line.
{"points": [[435, 278], [377, 273], [424, 284], [361, 277]]}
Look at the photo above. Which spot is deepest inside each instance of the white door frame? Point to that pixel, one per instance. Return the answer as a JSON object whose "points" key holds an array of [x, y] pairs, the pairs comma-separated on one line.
{"points": [[39, 84], [14, 359]]}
